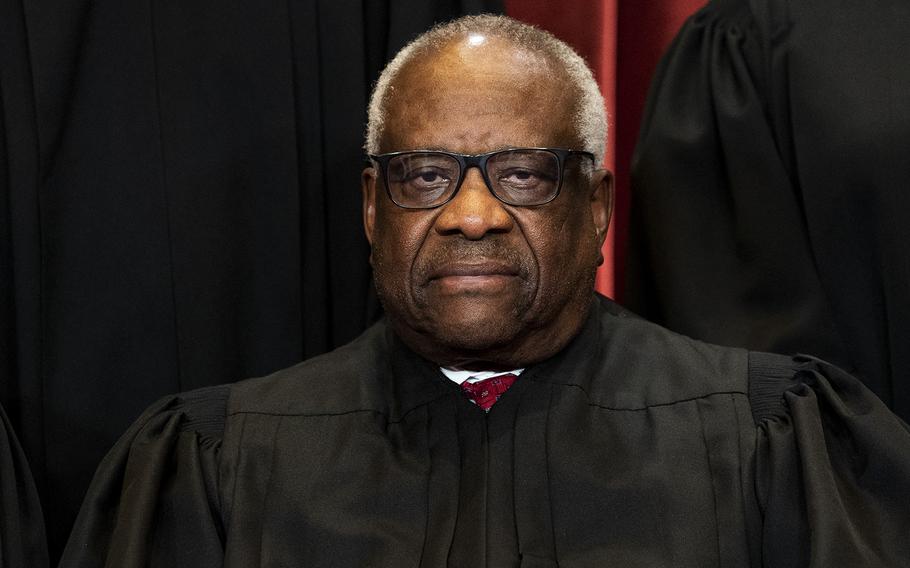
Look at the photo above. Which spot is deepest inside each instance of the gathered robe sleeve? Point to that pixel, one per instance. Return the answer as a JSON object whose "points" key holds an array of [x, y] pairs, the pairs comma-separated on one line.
{"points": [[832, 468], [154, 500], [22, 541]]}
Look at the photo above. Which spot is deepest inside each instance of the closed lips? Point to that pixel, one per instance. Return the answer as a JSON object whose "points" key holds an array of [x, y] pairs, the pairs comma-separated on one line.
{"points": [[481, 269]]}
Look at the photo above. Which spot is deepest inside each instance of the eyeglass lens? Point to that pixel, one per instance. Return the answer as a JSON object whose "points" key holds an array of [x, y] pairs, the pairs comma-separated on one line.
{"points": [[518, 177]]}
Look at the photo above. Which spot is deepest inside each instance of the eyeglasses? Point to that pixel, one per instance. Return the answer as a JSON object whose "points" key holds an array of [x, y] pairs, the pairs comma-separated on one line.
{"points": [[423, 179]]}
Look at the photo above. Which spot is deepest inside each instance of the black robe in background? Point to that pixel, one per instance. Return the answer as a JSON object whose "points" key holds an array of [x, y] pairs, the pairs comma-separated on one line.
{"points": [[633, 447], [22, 543], [771, 185], [179, 204]]}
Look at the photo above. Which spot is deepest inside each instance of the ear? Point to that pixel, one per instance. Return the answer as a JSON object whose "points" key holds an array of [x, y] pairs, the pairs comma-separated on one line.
{"points": [[601, 202], [368, 190]]}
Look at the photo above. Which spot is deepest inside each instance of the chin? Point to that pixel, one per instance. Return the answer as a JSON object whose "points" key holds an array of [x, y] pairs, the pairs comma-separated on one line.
{"points": [[478, 320], [475, 336], [463, 335]]}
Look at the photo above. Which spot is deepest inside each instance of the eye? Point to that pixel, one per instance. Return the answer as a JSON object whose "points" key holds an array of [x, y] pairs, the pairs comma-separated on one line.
{"points": [[427, 178], [523, 177], [422, 186]]}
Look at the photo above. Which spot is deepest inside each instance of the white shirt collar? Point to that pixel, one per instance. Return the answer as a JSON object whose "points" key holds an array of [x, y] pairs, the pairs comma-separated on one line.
{"points": [[459, 376]]}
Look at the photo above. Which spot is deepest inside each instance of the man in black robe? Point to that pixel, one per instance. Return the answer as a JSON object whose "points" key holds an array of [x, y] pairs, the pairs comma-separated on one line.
{"points": [[599, 438]]}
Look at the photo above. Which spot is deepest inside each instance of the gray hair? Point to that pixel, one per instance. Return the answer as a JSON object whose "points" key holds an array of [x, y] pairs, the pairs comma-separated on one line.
{"points": [[590, 116]]}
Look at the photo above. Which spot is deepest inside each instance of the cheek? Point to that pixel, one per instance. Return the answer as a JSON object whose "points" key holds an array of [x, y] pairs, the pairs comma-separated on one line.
{"points": [[566, 247], [397, 238]]}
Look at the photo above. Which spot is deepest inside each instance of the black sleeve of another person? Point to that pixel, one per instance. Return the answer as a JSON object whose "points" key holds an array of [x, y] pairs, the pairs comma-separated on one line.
{"points": [[769, 205]]}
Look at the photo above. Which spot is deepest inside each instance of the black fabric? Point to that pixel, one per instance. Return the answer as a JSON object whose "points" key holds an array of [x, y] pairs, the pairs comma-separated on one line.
{"points": [[769, 204], [179, 204], [22, 543], [633, 447]]}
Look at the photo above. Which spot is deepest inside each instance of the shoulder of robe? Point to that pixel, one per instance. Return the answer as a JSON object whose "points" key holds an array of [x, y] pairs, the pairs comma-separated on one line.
{"points": [[202, 411], [336, 382], [777, 381], [751, 25], [832, 467], [622, 361], [160, 478], [733, 42]]}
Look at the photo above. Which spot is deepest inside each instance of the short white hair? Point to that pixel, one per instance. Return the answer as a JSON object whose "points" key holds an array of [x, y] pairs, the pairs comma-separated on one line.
{"points": [[590, 115]]}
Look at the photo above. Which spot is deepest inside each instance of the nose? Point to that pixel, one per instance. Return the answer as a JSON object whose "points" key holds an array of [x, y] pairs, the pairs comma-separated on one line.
{"points": [[474, 211]]}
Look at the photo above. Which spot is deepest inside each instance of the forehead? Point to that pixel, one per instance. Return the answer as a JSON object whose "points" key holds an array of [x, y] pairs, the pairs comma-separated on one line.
{"points": [[473, 98]]}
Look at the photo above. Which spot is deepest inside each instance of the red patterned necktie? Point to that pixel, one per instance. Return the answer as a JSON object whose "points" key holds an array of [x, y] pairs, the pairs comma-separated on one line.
{"points": [[484, 393]]}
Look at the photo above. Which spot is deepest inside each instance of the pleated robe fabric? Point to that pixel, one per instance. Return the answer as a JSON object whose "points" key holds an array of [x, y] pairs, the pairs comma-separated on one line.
{"points": [[179, 204], [770, 184], [633, 447], [22, 541]]}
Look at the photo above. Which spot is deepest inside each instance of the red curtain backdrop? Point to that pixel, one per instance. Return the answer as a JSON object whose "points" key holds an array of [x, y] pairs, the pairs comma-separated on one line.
{"points": [[622, 40]]}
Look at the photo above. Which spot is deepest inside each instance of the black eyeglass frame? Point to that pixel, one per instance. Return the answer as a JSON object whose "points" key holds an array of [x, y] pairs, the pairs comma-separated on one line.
{"points": [[479, 161]]}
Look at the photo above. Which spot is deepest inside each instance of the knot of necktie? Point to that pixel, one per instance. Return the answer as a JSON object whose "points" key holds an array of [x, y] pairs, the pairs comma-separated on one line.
{"points": [[486, 392]]}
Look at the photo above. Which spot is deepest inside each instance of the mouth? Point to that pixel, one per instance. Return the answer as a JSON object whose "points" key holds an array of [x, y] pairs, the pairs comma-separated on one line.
{"points": [[472, 276]]}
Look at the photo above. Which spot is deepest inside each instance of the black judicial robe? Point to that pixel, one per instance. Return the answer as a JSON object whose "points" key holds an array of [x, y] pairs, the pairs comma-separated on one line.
{"points": [[22, 542], [771, 185], [633, 447]]}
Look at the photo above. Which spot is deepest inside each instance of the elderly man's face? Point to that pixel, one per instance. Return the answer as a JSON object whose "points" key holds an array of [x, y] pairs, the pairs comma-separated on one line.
{"points": [[477, 283]]}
